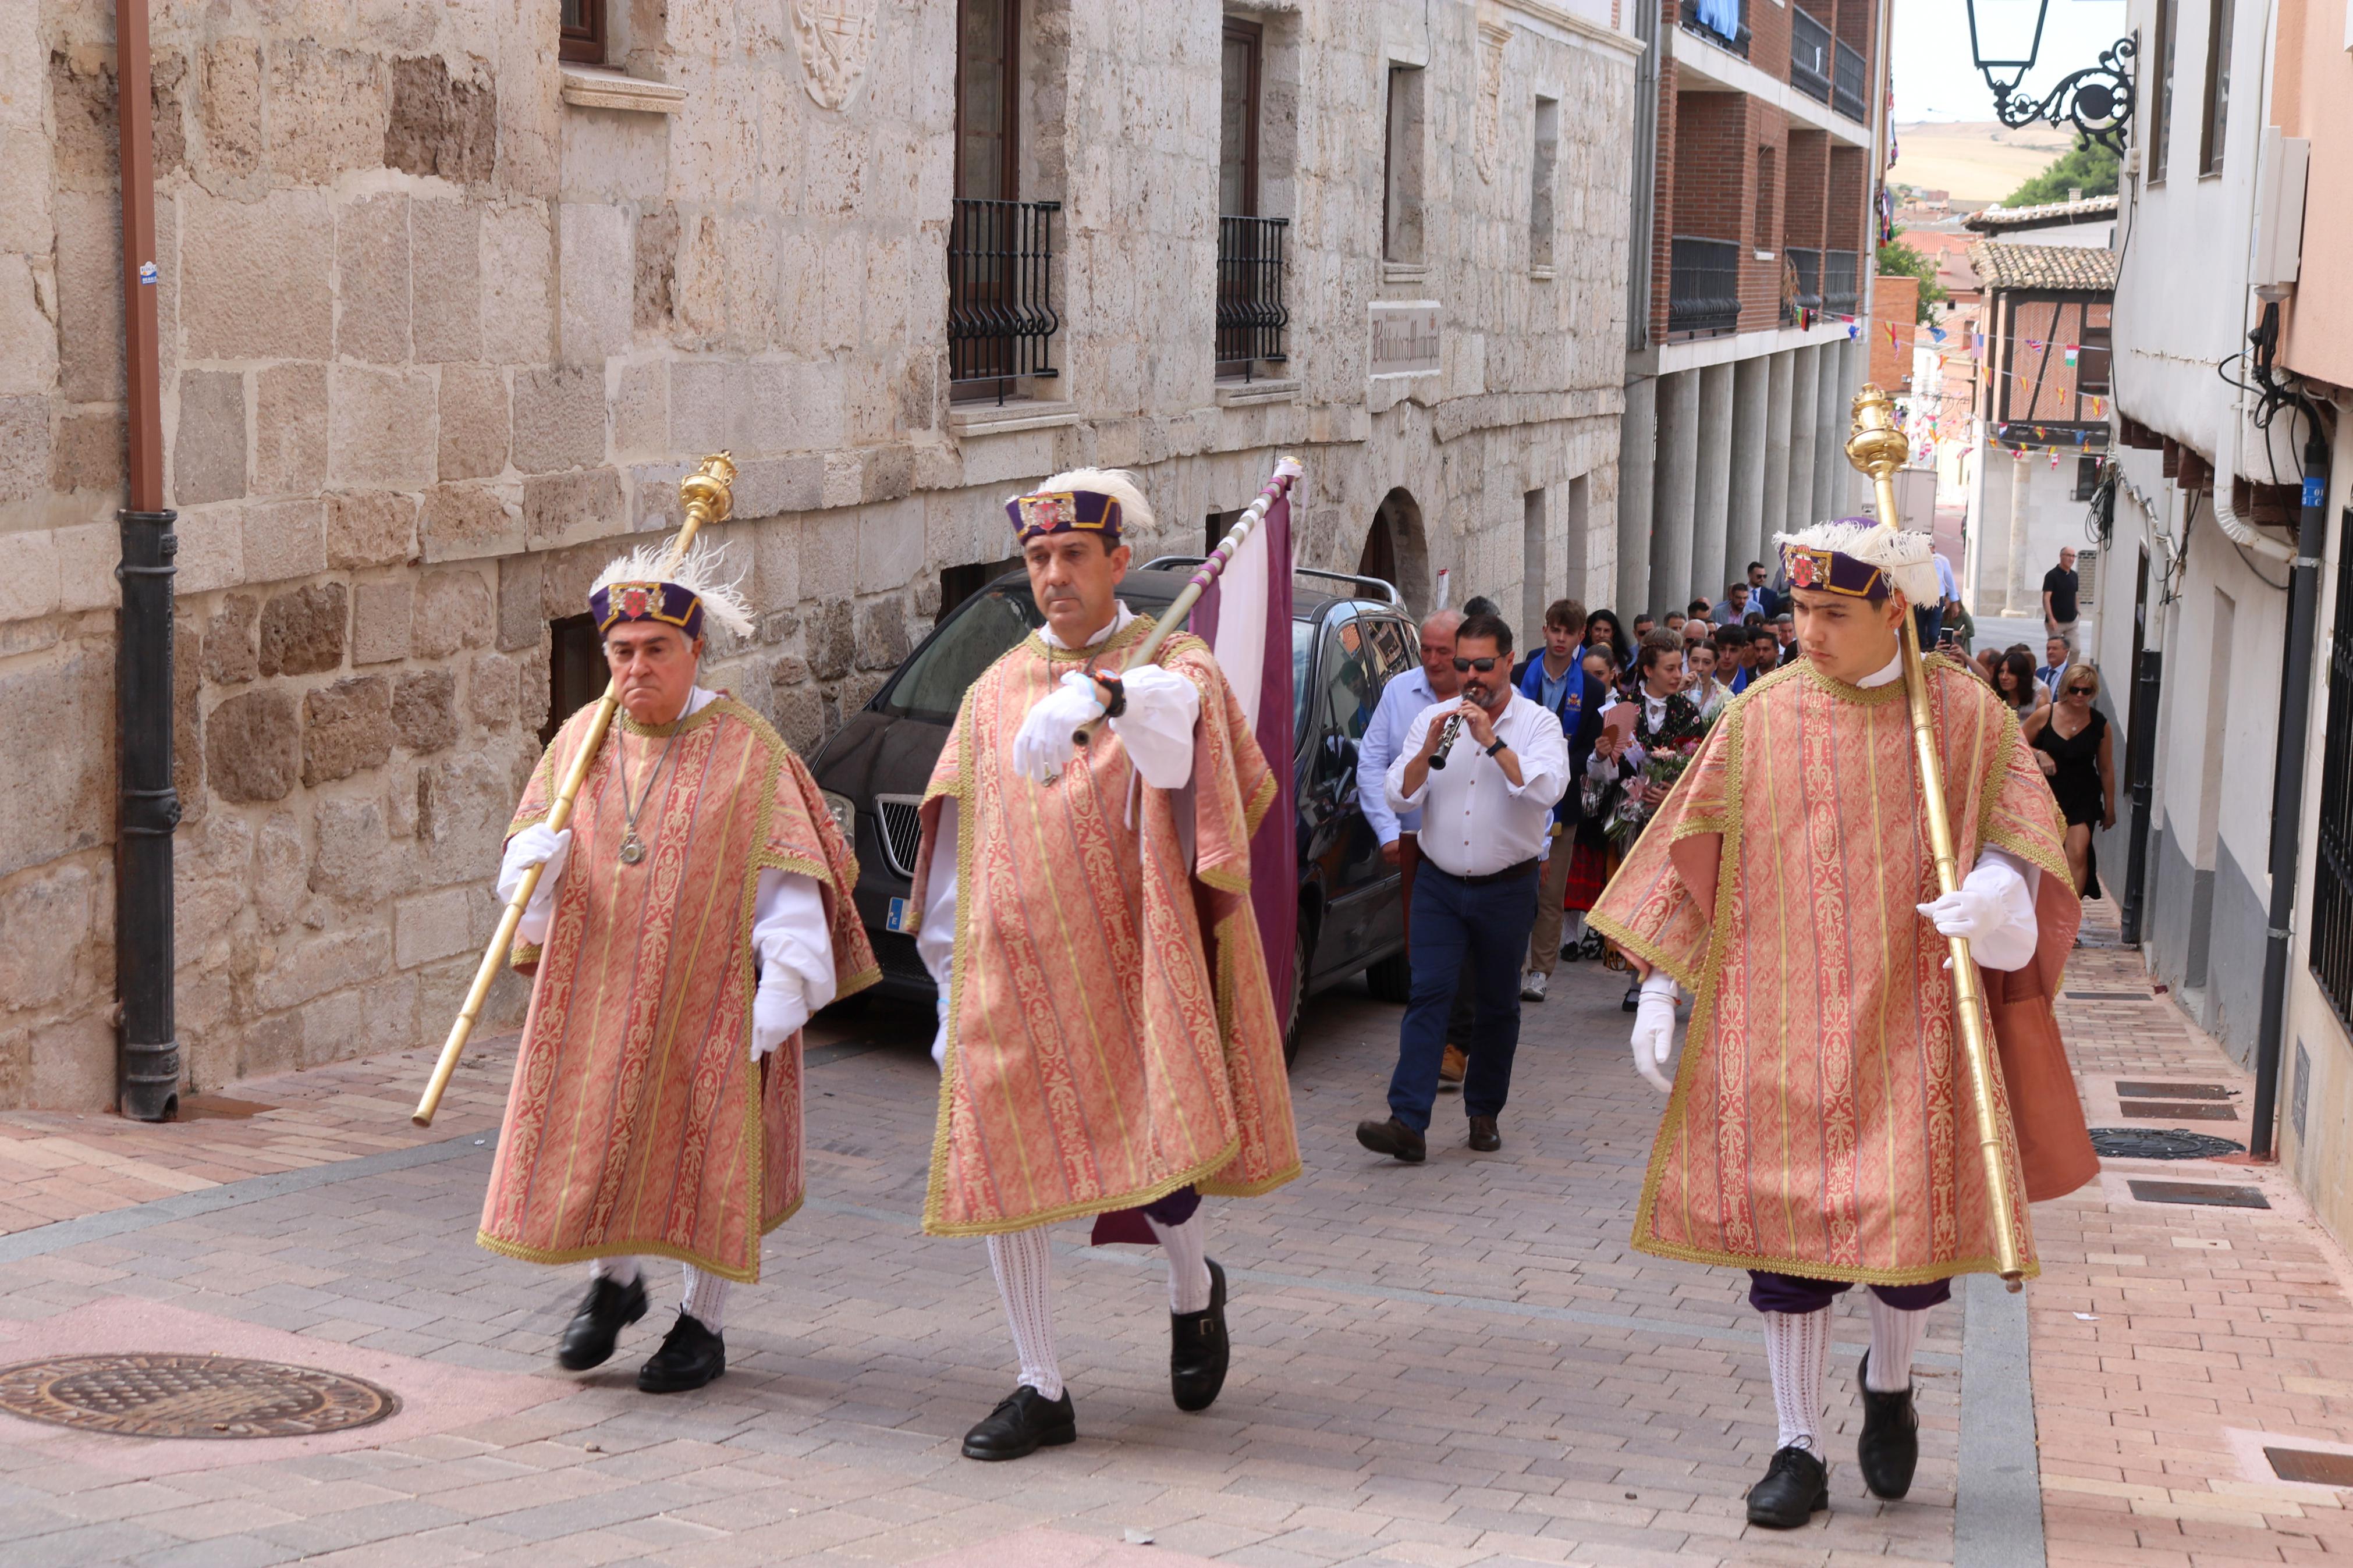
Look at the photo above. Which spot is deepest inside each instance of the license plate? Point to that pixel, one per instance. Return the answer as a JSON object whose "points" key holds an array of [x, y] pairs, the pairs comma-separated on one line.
{"points": [[896, 919]]}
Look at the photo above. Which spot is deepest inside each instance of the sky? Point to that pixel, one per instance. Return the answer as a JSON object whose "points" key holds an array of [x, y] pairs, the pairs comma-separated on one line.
{"points": [[1935, 79]]}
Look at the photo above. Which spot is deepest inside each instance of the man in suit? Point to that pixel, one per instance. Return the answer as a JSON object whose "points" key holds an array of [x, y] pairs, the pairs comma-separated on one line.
{"points": [[1556, 679]]}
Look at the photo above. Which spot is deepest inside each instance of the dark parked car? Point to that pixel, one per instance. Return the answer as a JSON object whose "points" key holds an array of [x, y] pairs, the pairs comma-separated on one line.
{"points": [[1349, 635]]}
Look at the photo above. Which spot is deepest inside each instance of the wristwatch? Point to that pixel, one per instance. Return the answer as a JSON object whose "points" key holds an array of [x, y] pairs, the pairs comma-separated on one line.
{"points": [[1501, 744]]}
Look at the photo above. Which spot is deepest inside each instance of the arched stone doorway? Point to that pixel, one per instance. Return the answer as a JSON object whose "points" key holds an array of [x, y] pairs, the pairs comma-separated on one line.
{"points": [[1395, 552]]}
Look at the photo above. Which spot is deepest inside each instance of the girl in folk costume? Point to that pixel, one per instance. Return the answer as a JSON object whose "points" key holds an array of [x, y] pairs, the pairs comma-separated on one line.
{"points": [[1110, 1042], [686, 924], [1817, 1134], [1632, 771]]}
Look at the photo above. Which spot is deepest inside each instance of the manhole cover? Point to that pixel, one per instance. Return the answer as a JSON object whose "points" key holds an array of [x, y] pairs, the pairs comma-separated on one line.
{"points": [[2207, 1193], [2311, 1467], [2150, 1143], [190, 1397], [2178, 1111], [2132, 1089]]}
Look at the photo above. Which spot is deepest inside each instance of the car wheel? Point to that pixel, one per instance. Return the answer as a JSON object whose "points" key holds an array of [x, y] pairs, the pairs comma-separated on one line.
{"points": [[1302, 943], [1390, 980]]}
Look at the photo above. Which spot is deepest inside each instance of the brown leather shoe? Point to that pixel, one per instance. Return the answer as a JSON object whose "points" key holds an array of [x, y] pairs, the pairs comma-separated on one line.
{"points": [[1452, 1065], [1395, 1139], [1485, 1139]]}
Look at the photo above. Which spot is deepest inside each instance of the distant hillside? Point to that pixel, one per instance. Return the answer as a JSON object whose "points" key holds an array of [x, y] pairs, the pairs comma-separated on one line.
{"points": [[1975, 160]]}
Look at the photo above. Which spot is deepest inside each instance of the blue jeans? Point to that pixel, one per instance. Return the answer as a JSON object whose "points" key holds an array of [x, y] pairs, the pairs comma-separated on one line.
{"points": [[1463, 933]]}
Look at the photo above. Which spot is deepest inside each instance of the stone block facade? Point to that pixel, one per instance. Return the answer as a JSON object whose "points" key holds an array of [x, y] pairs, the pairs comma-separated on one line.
{"points": [[438, 336]]}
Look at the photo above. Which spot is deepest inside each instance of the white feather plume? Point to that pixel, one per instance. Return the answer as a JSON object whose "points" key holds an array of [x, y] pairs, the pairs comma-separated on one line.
{"points": [[1135, 512], [702, 574], [1908, 559]]}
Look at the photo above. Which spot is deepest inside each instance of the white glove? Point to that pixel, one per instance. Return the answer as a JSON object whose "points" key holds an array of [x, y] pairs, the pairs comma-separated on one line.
{"points": [[1993, 909], [1654, 1030], [537, 845], [778, 1010], [1044, 744]]}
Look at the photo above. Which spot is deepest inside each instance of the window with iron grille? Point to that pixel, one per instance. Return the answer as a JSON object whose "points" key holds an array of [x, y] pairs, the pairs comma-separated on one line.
{"points": [[1000, 249], [1702, 285], [581, 32], [1250, 313], [2331, 954]]}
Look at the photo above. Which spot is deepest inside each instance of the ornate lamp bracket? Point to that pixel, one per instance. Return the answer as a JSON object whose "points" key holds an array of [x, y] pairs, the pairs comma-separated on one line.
{"points": [[2097, 101]]}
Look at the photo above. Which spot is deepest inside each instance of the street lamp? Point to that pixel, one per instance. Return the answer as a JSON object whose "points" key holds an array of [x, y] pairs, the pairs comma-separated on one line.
{"points": [[2097, 101]]}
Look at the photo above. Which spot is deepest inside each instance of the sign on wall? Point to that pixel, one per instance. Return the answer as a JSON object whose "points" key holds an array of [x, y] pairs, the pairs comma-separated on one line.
{"points": [[1404, 337]]}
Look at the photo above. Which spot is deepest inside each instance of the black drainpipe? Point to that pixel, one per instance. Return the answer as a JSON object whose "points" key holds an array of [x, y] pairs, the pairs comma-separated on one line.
{"points": [[147, 1057], [2140, 766], [2287, 785]]}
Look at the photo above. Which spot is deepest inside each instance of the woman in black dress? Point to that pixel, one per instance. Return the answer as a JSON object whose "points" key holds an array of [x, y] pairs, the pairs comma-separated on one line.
{"points": [[2076, 752]]}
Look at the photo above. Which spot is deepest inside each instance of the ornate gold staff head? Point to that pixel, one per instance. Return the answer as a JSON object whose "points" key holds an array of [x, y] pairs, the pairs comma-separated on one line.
{"points": [[710, 486], [1876, 448]]}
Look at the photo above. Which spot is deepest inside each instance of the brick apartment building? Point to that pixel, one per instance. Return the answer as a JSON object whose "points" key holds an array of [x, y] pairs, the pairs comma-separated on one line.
{"points": [[1747, 317]]}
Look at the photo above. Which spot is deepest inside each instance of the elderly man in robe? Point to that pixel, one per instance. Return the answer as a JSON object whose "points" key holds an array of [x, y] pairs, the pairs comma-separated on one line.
{"points": [[687, 922], [1110, 1041], [1818, 1133]]}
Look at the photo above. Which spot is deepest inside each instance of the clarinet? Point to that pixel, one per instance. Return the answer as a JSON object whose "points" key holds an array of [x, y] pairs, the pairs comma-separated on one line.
{"points": [[1445, 740]]}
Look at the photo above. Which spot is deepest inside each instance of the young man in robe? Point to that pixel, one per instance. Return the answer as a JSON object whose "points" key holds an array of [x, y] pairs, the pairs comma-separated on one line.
{"points": [[1110, 1041], [688, 920], [1819, 1132]]}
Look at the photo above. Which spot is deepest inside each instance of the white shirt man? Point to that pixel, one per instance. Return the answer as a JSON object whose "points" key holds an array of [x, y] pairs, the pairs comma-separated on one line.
{"points": [[1484, 815]]}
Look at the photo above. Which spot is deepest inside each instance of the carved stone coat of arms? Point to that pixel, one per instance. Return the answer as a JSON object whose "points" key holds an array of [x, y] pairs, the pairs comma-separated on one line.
{"points": [[837, 43]]}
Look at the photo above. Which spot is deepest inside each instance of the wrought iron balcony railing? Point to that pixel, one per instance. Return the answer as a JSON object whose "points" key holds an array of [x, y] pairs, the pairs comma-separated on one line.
{"points": [[1001, 319], [1809, 56], [1847, 83], [1704, 287], [1808, 264], [1250, 313], [1841, 288]]}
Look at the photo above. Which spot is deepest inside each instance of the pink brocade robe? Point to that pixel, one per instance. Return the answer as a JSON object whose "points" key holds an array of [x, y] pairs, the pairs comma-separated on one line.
{"points": [[637, 1122], [1111, 1034], [1820, 1122]]}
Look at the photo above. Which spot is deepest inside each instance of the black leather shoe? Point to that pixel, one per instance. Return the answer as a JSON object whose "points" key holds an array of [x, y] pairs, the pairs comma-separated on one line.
{"points": [[1023, 1422], [605, 1311], [1795, 1486], [1889, 1450], [691, 1356], [1395, 1139], [1198, 1351], [1485, 1139]]}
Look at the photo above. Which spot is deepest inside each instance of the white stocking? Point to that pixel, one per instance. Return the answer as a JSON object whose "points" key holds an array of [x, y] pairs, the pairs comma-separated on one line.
{"points": [[1188, 1246], [1894, 1335], [1797, 1346], [704, 1298], [1024, 1263], [621, 1271]]}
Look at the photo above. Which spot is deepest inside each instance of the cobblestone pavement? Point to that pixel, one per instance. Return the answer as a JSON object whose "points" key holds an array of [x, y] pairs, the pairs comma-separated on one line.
{"points": [[1460, 1363]]}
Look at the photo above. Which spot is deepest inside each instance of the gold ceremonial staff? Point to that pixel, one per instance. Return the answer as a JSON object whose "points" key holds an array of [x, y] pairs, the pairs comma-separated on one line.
{"points": [[1878, 449], [709, 499]]}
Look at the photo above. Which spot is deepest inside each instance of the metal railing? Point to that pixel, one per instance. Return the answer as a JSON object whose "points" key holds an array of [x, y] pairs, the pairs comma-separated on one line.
{"points": [[1001, 319], [2331, 954], [1707, 21], [1809, 56], [1809, 265], [1704, 287], [1847, 83], [1842, 285], [1250, 313]]}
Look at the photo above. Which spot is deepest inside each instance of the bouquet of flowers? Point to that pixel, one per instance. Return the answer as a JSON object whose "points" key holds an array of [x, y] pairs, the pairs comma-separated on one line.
{"points": [[1629, 816]]}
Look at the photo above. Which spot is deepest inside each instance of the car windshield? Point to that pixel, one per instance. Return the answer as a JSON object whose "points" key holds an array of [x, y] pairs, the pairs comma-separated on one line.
{"points": [[932, 684]]}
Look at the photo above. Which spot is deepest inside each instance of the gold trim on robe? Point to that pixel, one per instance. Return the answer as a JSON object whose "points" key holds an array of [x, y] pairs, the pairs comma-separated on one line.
{"points": [[1111, 1034], [1820, 1124], [637, 1122]]}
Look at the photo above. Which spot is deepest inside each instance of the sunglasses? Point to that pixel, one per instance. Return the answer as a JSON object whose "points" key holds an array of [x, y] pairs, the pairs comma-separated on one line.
{"points": [[1465, 665], [2082, 692]]}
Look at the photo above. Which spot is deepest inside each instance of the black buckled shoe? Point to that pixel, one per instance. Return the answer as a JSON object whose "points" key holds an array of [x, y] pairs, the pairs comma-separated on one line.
{"points": [[1023, 1422], [1485, 1139], [1395, 1139], [605, 1311], [1198, 1350], [691, 1356], [1795, 1487], [1889, 1450]]}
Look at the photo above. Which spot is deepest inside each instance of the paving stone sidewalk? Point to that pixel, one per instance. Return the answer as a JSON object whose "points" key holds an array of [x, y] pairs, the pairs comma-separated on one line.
{"points": [[1455, 1364]]}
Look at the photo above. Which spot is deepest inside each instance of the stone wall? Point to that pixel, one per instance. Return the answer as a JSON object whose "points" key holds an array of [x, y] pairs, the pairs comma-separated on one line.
{"points": [[435, 338]]}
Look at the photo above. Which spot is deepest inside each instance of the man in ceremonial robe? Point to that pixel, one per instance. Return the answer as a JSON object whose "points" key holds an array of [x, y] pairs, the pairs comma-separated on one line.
{"points": [[1109, 1041], [1820, 1131], [688, 921]]}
